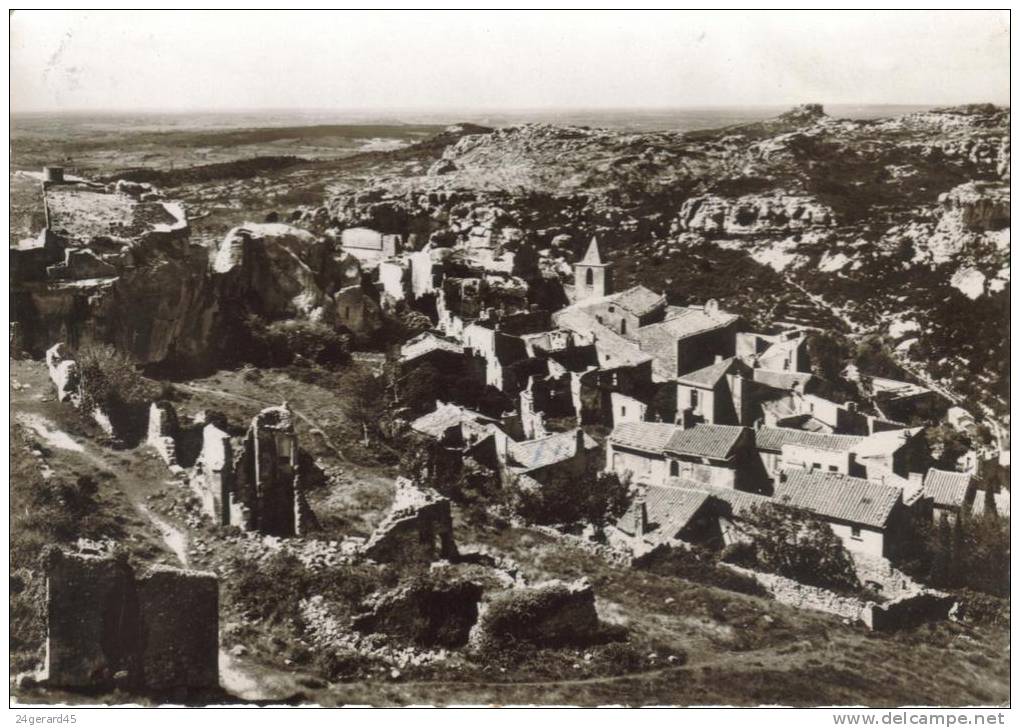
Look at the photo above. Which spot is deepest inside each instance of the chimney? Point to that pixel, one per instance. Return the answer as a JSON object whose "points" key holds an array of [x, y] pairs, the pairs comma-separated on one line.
{"points": [[579, 445], [718, 358], [851, 406]]}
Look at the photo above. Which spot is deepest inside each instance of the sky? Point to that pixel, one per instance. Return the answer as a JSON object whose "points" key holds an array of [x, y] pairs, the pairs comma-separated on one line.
{"points": [[204, 60]]}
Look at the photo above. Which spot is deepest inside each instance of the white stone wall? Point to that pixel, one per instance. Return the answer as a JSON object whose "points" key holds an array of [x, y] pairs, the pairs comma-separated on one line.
{"points": [[798, 457], [643, 467]]}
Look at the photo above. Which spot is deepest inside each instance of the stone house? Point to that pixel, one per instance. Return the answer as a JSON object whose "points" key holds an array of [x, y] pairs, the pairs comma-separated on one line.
{"points": [[370, 246], [441, 352], [719, 394], [665, 515], [538, 461], [951, 493], [689, 338], [869, 518], [638, 450], [783, 352], [783, 448], [902, 451], [722, 456]]}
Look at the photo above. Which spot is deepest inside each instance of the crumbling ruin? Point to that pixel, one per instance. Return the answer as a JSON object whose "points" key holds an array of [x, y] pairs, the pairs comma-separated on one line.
{"points": [[426, 614], [67, 379], [418, 527], [255, 482], [106, 625]]}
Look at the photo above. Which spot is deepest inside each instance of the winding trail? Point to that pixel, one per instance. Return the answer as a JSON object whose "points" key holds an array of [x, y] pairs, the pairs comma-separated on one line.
{"points": [[315, 428]]}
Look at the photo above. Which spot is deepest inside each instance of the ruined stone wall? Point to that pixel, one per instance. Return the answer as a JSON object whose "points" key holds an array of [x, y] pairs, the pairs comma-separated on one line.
{"points": [[418, 527], [908, 611], [804, 596], [162, 432], [106, 624], [66, 377]]}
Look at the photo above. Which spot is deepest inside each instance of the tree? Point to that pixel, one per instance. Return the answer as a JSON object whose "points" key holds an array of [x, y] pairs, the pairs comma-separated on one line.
{"points": [[947, 444], [792, 542], [525, 262], [829, 355], [366, 402], [566, 498]]}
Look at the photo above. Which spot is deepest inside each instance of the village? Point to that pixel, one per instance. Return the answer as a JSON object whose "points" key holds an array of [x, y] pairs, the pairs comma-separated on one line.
{"points": [[685, 424]]}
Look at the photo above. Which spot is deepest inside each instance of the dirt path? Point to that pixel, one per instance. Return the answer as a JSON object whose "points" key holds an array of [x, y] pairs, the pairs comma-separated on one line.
{"points": [[314, 427]]}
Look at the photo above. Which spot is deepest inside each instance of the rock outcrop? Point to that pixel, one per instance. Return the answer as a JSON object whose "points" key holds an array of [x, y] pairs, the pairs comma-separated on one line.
{"points": [[279, 271]]}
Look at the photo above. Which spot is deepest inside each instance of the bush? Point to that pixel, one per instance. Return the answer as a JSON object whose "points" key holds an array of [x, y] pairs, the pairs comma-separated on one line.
{"points": [[111, 383], [793, 543], [702, 566], [282, 343], [565, 498]]}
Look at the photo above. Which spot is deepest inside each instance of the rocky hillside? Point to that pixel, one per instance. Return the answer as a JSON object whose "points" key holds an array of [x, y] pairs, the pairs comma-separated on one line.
{"points": [[895, 226]]}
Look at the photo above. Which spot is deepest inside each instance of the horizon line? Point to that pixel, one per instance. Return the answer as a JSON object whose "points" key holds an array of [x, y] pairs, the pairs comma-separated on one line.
{"points": [[484, 109]]}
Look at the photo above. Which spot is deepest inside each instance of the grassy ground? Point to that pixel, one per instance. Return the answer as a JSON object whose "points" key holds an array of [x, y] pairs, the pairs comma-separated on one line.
{"points": [[686, 643]]}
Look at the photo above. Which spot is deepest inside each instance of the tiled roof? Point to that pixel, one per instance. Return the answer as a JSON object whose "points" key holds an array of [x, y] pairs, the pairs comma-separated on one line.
{"points": [[620, 351], [670, 510], [445, 416], [707, 377], [947, 488], [711, 441], [645, 436], [839, 497], [786, 380], [638, 300], [886, 442], [773, 438], [549, 450], [425, 343], [739, 501], [682, 322]]}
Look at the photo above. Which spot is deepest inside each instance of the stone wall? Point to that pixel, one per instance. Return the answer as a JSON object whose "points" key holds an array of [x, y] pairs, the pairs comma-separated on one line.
{"points": [[256, 482], [418, 527], [804, 596], [179, 628], [105, 624], [162, 433], [908, 611], [66, 377]]}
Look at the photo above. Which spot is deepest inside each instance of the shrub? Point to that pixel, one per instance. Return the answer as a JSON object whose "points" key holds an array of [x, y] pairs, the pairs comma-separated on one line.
{"points": [[793, 543], [281, 343], [111, 383], [592, 496], [702, 566]]}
